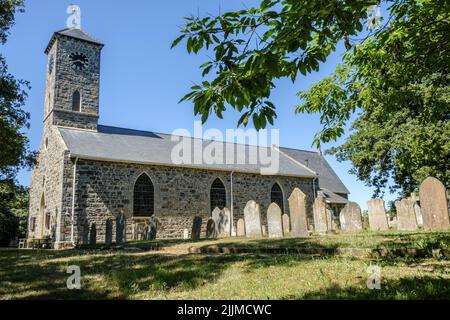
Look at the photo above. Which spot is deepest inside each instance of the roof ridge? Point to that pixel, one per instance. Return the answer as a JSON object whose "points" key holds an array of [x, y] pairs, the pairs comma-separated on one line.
{"points": [[303, 150]]}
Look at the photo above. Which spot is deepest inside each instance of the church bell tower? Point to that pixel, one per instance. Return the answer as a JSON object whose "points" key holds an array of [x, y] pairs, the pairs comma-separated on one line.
{"points": [[73, 80]]}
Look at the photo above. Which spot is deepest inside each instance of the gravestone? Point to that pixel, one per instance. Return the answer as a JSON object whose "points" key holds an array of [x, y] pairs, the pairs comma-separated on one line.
{"points": [[120, 229], [320, 214], [286, 224], [274, 222], [186, 234], [415, 199], [434, 205], [220, 219], [93, 235], [86, 232], [351, 218], [329, 219], [226, 223], [241, 228], [153, 228], [196, 228], [141, 230], [252, 217], [419, 216], [109, 232], [377, 215], [297, 210], [211, 232], [406, 215]]}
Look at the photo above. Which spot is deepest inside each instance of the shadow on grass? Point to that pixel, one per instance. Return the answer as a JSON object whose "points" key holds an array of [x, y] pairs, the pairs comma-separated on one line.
{"points": [[113, 274], [119, 276], [414, 288]]}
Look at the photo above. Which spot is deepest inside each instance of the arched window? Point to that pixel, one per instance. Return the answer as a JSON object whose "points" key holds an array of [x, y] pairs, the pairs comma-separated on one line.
{"points": [[218, 195], [276, 196], [76, 101], [144, 196]]}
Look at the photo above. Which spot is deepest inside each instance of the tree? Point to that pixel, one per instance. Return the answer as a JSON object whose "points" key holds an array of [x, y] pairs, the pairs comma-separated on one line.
{"points": [[14, 152], [399, 82], [395, 77], [13, 212]]}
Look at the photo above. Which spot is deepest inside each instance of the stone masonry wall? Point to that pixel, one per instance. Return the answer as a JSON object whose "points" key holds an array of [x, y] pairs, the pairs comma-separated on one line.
{"points": [[68, 80], [105, 191], [46, 182]]}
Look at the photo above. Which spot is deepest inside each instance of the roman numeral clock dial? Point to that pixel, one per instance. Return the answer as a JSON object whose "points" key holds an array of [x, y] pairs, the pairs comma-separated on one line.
{"points": [[79, 61]]}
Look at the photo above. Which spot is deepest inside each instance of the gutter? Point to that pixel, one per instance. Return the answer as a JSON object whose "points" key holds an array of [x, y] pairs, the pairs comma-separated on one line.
{"points": [[73, 201]]}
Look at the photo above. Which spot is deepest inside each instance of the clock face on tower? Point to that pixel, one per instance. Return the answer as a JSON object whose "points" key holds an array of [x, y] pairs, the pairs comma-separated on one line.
{"points": [[78, 60]]}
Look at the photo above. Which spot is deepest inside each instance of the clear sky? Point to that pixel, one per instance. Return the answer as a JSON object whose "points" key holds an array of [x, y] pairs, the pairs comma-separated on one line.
{"points": [[142, 79]]}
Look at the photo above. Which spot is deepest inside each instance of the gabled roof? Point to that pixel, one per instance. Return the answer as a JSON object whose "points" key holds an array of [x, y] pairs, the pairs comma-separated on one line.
{"points": [[73, 33], [134, 146], [328, 179]]}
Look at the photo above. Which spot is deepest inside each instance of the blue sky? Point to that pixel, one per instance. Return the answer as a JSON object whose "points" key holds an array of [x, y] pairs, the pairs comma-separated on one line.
{"points": [[142, 79]]}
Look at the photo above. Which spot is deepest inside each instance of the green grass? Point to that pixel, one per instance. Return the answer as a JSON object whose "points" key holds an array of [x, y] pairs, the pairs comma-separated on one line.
{"points": [[172, 274]]}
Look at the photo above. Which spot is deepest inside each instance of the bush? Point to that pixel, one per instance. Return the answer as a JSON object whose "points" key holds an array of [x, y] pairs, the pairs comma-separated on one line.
{"points": [[9, 225]]}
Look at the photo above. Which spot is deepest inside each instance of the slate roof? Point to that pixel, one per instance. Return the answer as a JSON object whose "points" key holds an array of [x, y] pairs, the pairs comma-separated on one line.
{"points": [[73, 33], [332, 197], [134, 146], [328, 179]]}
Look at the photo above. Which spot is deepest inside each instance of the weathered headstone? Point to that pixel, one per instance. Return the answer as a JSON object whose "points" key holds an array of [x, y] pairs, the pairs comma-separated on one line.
{"points": [[351, 218], [211, 232], [120, 229], [297, 209], [406, 215], [434, 205], [222, 219], [252, 217], [419, 216], [274, 222], [108, 232], [225, 230], [286, 224], [241, 228], [196, 228], [377, 215], [152, 228], [330, 219], [320, 214], [415, 199], [93, 234], [86, 232], [186, 234]]}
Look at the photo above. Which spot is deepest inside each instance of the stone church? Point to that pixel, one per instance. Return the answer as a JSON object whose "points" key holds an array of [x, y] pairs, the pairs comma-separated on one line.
{"points": [[96, 183]]}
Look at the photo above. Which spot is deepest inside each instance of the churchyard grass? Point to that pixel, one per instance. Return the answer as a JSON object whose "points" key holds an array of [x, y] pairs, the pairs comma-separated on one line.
{"points": [[171, 273]]}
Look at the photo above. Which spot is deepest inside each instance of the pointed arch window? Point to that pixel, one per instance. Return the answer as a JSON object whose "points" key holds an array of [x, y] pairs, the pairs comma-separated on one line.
{"points": [[218, 195], [276, 196], [76, 101], [144, 197]]}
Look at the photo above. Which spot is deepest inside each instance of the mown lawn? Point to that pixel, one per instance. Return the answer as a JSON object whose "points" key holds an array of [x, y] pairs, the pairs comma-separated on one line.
{"points": [[109, 273]]}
